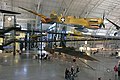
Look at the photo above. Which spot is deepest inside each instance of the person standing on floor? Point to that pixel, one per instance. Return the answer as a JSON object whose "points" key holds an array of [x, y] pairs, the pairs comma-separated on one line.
{"points": [[77, 69], [21, 46], [72, 70], [115, 70], [67, 74], [25, 39], [119, 71]]}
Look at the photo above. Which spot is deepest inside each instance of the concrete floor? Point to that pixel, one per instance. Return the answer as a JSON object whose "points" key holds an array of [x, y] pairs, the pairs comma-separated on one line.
{"points": [[17, 68]]}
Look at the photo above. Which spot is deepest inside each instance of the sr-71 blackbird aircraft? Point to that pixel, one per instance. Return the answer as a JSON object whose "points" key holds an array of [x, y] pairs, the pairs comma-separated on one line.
{"points": [[92, 23], [71, 51]]}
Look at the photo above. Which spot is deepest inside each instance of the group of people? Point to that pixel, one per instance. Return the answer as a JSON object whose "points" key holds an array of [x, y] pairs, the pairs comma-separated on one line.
{"points": [[42, 56], [70, 74]]}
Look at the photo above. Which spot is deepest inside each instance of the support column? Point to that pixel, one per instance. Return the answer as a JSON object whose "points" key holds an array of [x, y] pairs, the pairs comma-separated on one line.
{"points": [[14, 37]]}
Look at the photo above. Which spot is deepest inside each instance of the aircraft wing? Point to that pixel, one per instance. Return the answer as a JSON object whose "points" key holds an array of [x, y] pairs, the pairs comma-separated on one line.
{"points": [[78, 54], [72, 52], [117, 27], [33, 12], [8, 12]]}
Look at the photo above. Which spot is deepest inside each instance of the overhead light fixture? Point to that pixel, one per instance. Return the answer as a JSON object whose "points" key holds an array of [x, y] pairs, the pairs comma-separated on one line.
{"points": [[12, 17], [9, 18]]}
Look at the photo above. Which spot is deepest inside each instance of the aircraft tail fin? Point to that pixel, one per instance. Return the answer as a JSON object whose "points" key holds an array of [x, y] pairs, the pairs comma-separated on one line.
{"points": [[33, 12]]}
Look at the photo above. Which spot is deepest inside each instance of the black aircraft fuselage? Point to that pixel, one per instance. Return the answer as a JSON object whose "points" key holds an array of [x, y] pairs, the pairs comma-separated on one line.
{"points": [[71, 51]]}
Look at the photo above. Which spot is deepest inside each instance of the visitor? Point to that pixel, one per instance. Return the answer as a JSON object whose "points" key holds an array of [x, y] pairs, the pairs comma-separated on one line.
{"points": [[77, 69], [72, 70], [67, 73], [21, 46], [119, 71]]}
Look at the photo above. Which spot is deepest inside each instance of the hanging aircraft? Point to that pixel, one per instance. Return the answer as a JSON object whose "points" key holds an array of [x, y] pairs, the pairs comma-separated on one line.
{"points": [[92, 23], [71, 51], [117, 27]]}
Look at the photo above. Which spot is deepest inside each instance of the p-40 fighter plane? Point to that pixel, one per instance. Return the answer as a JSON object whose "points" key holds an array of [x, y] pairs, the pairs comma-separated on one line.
{"points": [[92, 23]]}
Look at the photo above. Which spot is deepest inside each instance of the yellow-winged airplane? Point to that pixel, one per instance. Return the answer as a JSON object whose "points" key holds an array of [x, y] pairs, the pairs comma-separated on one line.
{"points": [[92, 23]]}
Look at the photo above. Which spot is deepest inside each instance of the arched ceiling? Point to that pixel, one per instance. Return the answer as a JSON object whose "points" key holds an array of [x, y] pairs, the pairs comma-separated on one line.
{"points": [[83, 8], [78, 8]]}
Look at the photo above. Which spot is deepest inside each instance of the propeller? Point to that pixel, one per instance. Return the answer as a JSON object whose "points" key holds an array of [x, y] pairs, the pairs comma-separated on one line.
{"points": [[117, 27], [102, 24]]}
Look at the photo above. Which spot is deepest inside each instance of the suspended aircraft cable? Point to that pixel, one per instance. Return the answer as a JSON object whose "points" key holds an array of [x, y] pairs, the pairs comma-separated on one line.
{"points": [[96, 5], [38, 8], [112, 8], [61, 7], [76, 10], [68, 8], [86, 6]]}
